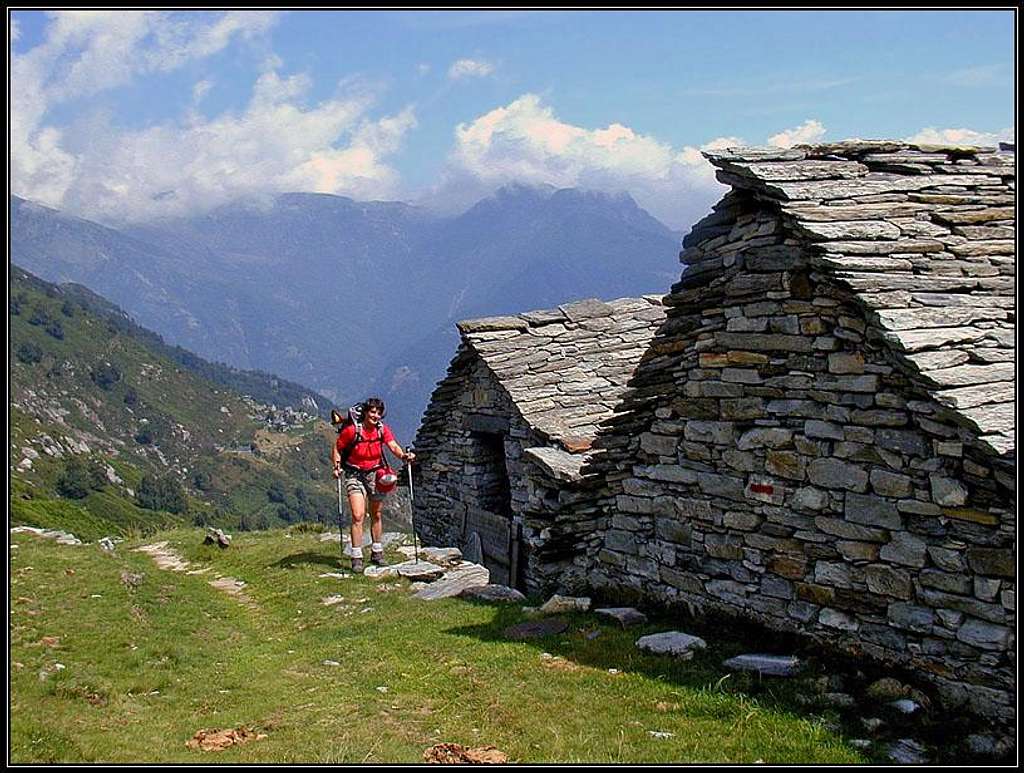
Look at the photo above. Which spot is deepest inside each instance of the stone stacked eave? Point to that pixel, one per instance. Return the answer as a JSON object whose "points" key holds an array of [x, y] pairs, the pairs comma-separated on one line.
{"points": [[922, 236], [565, 369]]}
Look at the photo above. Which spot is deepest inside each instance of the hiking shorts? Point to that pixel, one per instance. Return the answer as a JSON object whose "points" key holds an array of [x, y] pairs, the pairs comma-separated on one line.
{"points": [[362, 482]]}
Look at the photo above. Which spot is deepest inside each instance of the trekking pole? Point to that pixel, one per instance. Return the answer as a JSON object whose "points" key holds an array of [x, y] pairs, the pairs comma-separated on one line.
{"points": [[341, 524], [412, 509]]}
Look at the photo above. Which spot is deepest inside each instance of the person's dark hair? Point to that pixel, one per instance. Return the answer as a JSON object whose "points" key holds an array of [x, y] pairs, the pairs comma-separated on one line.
{"points": [[374, 402]]}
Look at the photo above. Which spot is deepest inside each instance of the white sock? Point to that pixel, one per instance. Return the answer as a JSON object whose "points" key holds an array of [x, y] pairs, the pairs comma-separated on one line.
{"points": [[376, 547], [356, 552]]}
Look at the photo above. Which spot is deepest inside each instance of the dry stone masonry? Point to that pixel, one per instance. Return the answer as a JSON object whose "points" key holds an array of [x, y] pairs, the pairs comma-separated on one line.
{"points": [[815, 430], [507, 433], [821, 436]]}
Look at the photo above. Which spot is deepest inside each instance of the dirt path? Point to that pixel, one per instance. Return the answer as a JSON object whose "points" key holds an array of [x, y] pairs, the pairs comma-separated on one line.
{"points": [[166, 558]]}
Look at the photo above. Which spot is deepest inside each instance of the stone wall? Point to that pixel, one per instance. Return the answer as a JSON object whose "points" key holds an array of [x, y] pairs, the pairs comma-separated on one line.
{"points": [[775, 460]]}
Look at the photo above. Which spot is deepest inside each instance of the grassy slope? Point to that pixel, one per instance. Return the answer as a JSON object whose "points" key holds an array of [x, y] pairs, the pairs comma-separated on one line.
{"points": [[146, 668], [191, 418]]}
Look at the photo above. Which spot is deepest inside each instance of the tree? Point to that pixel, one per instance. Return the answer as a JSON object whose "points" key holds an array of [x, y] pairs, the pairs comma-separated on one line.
{"points": [[162, 493], [80, 476]]}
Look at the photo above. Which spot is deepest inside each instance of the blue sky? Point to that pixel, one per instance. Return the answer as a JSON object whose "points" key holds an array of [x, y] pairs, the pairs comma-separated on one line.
{"points": [[126, 115]]}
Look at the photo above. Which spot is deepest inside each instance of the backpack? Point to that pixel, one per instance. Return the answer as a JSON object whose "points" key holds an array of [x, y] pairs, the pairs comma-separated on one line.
{"points": [[355, 416]]}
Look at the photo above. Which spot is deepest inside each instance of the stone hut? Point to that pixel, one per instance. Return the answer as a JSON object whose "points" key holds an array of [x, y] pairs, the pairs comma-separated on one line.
{"points": [[507, 433], [822, 437]]}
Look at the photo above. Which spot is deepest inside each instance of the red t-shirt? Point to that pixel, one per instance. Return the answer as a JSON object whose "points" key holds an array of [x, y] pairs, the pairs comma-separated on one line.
{"points": [[366, 453]]}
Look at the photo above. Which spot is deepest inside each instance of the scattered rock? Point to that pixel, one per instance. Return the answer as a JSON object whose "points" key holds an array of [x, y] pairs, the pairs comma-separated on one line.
{"points": [[131, 580], [455, 581], [872, 724], [626, 616], [675, 643], [981, 745], [454, 753], [660, 734], [62, 537], [378, 572], [106, 544], [536, 629], [907, 751], [561, 604], [329, 601], [417, 570], [888, 689], [417, 586], [437, 555], [860, 743], [493, 593], [217, 537], [335, 575], [768, 665], [839, 700], [905, 706], [217, 740], [331, 663]]}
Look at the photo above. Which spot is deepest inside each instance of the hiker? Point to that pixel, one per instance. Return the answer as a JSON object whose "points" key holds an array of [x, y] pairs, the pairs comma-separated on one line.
{"points": [[359, 455]]}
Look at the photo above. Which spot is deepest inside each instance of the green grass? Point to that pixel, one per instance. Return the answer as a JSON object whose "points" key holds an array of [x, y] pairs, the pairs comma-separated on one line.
{"points": [[146, 668]]}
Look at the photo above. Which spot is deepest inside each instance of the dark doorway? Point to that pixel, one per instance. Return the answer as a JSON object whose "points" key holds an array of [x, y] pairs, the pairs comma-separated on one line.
{"points": [[495, 492], [489, 514]]}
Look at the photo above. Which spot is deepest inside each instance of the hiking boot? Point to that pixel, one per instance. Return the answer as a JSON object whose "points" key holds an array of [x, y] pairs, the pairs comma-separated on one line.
{"points": [[377, 558], [357, 565]]}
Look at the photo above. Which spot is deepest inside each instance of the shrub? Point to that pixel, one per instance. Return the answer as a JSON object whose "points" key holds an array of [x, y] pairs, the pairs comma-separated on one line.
{"points": [[105, 376], [54, 329], [39, 316], [68, 309], [29, 353]]}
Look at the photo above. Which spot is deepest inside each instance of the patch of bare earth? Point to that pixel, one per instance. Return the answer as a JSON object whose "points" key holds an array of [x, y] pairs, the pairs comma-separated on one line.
{"points": [[218, 740], [457, 754]]}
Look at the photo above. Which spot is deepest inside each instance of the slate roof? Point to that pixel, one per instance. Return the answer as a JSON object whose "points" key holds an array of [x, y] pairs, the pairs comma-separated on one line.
{"points": [[566, 368], [925, 238]]}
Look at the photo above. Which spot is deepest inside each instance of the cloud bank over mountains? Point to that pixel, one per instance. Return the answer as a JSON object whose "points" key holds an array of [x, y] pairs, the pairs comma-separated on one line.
{"points": [[82, 161]]}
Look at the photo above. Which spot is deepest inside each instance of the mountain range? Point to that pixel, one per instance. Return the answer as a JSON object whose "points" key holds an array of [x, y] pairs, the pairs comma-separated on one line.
{"points": [[352, 298]]}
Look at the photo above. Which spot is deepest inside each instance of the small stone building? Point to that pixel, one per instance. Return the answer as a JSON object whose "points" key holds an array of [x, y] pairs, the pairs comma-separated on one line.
{"points": [[822, 437], [507, 433]]}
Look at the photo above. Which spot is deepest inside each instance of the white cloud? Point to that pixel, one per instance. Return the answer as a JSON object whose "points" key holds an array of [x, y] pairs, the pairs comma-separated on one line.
{"points": [[470, 68], [276, 143], [933, 136], [525, 142], [422, 69], [807, 132], [13, 31]]}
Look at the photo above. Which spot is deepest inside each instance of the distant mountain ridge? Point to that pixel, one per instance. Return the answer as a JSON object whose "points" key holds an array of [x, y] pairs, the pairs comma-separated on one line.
{"points": [[352, 298]]}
